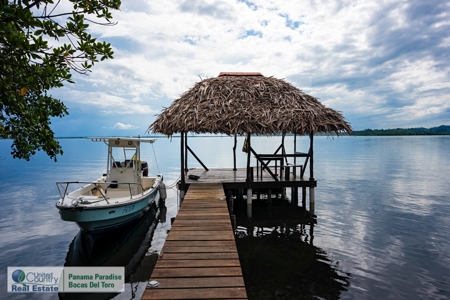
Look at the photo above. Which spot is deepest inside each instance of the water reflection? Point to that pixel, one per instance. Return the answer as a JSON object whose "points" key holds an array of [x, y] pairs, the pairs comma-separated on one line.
{"points": [[126, 247], [278, 256]]}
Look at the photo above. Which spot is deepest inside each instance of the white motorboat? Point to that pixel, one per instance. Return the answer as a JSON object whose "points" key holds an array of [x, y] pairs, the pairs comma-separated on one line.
{"points": [[123, 194]]}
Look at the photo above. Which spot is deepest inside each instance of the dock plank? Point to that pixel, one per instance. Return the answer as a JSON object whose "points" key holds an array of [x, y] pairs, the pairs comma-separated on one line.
{"points": [[204, 263], [199, 259], [216, 211], [215, 237], [201, 282], [202, 232], [202, 228], [201, 236], [214, 243], [200, 293], [198, 256], [201, 222], [196, 272], [198, 249]]}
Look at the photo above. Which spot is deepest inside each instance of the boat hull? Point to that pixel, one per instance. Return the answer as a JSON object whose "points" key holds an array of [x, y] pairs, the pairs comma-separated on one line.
{"points": [[98, 220], [123, 194]]}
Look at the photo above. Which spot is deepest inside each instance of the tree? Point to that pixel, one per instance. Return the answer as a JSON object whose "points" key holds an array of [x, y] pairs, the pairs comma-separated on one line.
{"points": [[41, 43]]}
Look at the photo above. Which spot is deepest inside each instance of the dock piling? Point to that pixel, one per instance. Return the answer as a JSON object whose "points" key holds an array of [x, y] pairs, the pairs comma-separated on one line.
{"points": [[249, 203], [312, 200]]}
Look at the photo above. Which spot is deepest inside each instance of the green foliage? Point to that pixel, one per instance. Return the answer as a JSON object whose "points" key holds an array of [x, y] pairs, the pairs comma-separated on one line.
{"points": [[39, 47]]}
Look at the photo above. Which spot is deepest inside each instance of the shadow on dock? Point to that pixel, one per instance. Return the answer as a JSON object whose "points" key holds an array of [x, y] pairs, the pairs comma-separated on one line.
{"points": [[278, 258]]}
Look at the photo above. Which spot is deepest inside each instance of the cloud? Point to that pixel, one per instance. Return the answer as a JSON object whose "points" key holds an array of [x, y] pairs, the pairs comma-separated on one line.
{"points": [[106, 103], [383, 63], [213, 9], [119, 125]]}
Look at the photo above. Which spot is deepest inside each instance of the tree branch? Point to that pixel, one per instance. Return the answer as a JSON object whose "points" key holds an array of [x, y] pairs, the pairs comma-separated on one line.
{"points": [[32, 4]]}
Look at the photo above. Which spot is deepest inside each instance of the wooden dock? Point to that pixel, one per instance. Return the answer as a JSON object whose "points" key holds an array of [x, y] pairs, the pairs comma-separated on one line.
{"points": [[236, 179], [199, 259]]}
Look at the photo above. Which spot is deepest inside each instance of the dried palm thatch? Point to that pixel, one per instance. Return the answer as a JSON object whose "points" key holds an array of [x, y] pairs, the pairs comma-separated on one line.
{"points": [[241, 103]]}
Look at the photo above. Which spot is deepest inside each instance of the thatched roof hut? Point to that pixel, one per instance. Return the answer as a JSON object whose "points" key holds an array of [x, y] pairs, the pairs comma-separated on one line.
{"points": [[243, 103]]}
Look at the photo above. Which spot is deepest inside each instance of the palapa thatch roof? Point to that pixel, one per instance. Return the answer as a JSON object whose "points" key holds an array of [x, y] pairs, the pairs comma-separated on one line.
{"points": [[241, 103]]}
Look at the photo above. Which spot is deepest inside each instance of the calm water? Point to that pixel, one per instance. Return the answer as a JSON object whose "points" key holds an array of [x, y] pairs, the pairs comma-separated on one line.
{"points": [[382, 206]]}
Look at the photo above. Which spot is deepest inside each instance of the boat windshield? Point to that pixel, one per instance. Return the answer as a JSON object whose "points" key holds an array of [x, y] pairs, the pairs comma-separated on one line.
{"points": [[124, 159]]}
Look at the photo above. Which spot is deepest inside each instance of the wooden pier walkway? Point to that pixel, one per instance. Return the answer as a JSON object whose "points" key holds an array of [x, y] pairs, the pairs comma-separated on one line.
{"points": [[199, 259]]}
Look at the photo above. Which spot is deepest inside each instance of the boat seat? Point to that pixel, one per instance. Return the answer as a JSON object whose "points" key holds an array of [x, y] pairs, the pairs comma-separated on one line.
{"points": [[98, 192], [147, 182], [115, 193]]}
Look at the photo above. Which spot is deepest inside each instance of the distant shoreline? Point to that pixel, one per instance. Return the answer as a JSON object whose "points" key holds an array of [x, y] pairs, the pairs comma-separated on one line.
{"points": [[441, 130]]}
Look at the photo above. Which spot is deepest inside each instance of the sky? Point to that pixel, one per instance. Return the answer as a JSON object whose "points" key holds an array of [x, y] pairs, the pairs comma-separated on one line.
{"points": [[382, 64]]}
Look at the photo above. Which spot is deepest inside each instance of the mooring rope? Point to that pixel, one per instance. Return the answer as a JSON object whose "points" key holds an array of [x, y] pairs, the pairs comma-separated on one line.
{"points": [[157, 166]]}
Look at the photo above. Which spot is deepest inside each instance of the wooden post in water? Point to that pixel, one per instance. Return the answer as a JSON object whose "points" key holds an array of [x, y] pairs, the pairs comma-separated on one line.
{"points": [[312, 199], [304, 197], [249, 203], [240, 196], [182, 194], [294, 196]]}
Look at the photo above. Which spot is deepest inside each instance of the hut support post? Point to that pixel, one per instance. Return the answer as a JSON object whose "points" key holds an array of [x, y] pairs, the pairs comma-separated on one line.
{"points": [[234, 153], [182, 153], [182, 183], [249, 180], [185, 152], [312, 198], [311, 156], [295, 152], [283, 150], [249, 147]]}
